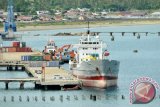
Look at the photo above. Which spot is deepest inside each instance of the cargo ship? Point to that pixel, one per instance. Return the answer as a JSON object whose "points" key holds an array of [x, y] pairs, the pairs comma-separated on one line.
{"points": [[91, 63]]}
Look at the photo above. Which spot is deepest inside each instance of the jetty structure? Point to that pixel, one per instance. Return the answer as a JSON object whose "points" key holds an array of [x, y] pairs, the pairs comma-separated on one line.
{"points": [[44, 74]]}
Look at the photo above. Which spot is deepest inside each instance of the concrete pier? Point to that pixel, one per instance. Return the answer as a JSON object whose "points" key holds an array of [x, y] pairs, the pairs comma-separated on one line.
{"points": [[43, 77]]}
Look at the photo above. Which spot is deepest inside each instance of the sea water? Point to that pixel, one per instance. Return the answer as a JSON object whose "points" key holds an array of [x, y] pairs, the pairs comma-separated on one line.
{"points": [[145, 63]]}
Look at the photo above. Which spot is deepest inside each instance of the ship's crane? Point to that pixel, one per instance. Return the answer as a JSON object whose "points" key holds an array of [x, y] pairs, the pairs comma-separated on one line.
{"points": [[10, 25]]}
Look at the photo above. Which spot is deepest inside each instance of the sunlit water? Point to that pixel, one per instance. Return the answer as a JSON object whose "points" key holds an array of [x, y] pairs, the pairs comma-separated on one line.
{"points": [[132, 65]]}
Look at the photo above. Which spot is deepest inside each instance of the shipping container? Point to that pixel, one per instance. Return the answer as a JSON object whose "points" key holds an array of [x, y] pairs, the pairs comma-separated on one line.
{"points": [[36, 58], [37, 63], [23, 44], [11, 49], [23, 49], [25, 58], [52, 64], [3, 49], [16, 44], [44, 63], [72, 54], [47, 57]]}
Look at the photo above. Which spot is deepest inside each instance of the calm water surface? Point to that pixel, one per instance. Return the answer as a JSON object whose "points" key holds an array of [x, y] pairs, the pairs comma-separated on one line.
{"points": [[132, 65]]}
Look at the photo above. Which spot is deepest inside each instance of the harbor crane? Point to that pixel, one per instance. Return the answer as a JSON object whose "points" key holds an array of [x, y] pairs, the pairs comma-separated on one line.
{"points": [[10, 25]]}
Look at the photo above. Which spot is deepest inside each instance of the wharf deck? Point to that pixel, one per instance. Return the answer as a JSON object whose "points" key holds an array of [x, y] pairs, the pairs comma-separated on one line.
{"points": [[53, 76], [19, 79], [41, 76], [16, 56]]}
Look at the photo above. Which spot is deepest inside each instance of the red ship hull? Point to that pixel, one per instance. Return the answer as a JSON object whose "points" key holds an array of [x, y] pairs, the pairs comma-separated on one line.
{"points": [[98, 81]]}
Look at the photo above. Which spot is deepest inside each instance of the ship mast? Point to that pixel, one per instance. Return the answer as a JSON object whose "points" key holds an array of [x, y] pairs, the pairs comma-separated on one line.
{"points": [[88, 32]]}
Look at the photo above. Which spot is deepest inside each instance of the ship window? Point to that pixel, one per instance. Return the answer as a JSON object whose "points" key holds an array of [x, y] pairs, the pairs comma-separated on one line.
{"points": [[84, 42], [95, 48], [85, 48]]}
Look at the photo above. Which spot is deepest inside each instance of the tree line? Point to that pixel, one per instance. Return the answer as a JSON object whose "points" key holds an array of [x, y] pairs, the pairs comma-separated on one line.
{"points": [[31, 6]]}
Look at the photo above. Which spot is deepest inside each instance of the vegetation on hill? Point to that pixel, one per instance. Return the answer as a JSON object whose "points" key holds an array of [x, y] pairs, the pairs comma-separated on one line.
{"points": [[31, 6]]}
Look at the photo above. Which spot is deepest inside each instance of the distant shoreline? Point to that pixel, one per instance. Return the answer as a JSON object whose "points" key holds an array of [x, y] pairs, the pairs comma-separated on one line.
{"points": [[70, 25]]}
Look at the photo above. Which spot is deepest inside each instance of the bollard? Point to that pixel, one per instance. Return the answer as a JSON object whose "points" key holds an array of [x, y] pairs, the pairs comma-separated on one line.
{"points": [[43, 98], [20, 98], [12, 98], [27, 98], [146, 33], [4, 98], [52, 98], [36, 98]]}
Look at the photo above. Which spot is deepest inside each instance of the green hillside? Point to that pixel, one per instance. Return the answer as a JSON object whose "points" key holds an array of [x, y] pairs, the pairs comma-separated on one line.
{"points": [[30, 6]]}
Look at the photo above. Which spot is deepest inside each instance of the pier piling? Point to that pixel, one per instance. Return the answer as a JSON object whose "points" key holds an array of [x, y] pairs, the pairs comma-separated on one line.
{"points": [[36, 98], [12, 98], [21, 85], [91, 97], [6, 85], [20, 98], [123, 97], [61, 98], [68, 98], [27, 98], [43, 98], [4, 98], [16, 68], [94, 98], [52, 98]]}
